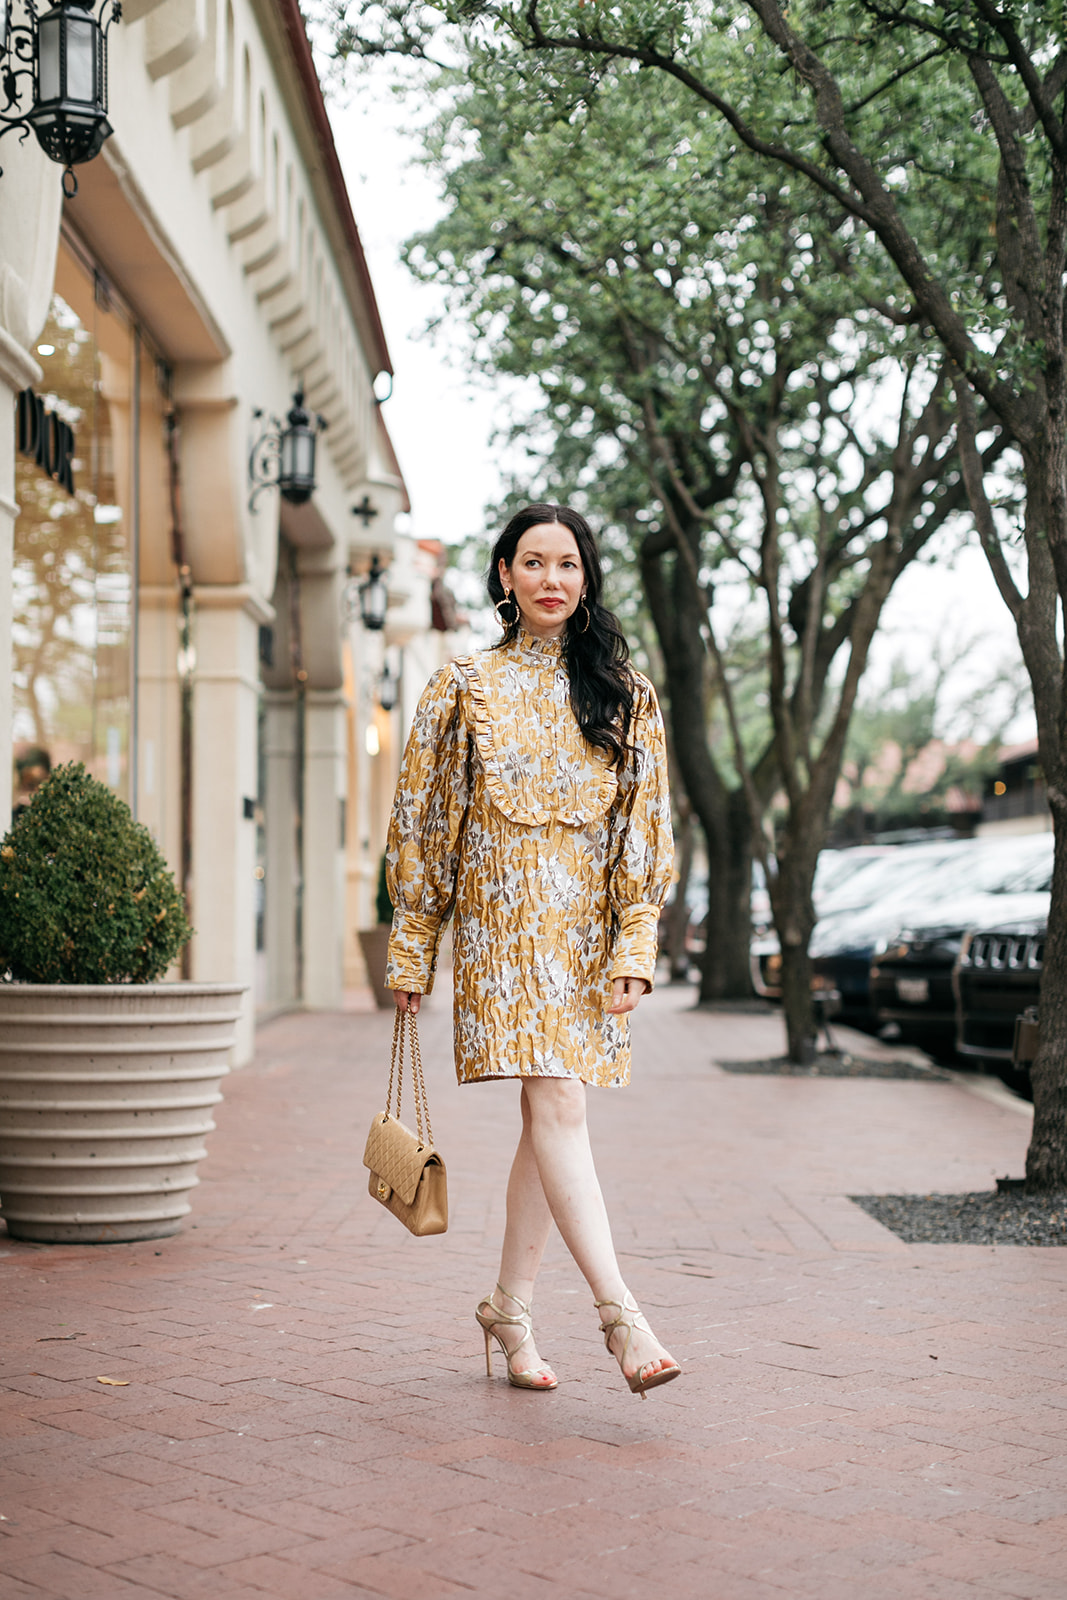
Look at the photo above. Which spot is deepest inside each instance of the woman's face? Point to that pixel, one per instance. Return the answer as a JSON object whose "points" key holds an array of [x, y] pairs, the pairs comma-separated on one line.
{"points": [[546, 577]]}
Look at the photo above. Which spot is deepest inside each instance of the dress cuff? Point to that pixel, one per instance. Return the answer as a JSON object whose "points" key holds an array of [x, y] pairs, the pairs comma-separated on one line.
{"points": [[412, 952], [637, 944]]}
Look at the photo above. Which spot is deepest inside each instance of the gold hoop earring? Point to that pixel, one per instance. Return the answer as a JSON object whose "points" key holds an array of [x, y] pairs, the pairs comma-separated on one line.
{"points": [[584, 605], [507, 622]]}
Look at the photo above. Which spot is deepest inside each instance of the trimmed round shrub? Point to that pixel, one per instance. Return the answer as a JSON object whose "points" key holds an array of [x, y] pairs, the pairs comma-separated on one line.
{"points": [[85, 894]]}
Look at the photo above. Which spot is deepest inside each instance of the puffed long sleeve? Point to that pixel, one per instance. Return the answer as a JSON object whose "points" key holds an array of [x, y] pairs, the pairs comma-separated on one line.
{"points": [[422, 853], [643, 856]]}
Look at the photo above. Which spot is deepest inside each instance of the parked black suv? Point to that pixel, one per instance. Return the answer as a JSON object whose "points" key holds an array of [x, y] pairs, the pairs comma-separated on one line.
{"points": [[998, 975], [911, 971], [911, 986]]}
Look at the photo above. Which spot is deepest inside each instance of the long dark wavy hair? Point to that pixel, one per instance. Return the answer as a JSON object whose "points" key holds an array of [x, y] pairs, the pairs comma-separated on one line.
{"points": [[596, 657]]}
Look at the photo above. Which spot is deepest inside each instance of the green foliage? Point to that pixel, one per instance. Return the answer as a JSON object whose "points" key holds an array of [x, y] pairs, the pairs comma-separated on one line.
{"points": [[693, 341], [894, 111], [382, 901], [85, 894], [935, 129]]}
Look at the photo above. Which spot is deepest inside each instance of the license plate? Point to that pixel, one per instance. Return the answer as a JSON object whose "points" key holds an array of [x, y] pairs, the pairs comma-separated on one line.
{"points": [[914, 990]]}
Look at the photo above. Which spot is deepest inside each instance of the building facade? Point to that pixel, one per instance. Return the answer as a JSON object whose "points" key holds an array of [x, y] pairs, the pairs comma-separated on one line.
{"points": [[194, 642], [1016, 795]]}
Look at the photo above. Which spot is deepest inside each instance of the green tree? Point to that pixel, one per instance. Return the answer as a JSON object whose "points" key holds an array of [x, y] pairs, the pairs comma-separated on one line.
{"points": [[939, 131], [705, 386]]}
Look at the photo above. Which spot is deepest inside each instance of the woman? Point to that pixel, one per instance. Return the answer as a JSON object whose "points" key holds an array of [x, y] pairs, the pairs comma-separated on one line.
{"points": [[533, 801]]}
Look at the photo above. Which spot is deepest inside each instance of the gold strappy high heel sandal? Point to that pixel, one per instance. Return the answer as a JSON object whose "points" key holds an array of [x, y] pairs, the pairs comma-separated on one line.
{"points": [[489, 1317], [631, 1318]]}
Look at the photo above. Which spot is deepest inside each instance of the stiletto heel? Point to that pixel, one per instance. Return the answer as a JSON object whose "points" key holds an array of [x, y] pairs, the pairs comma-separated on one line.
{"points": [[631, 1318], [489, 1317]]}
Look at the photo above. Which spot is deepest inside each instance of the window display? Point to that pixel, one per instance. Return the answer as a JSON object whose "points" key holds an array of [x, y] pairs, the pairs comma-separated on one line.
{"points": [[74, 560]]}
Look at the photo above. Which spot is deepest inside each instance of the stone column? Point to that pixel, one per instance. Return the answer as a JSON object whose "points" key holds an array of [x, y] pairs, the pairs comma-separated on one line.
{"points": [[366, 654], [225, 709], [324, 861], [158, 776], [282, 865]]}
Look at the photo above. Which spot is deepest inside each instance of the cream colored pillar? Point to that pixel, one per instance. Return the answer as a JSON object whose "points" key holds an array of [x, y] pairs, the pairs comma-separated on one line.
{"points": [[366, 657], [159, 720], [282, 866], [324, 861], [225, 708]]}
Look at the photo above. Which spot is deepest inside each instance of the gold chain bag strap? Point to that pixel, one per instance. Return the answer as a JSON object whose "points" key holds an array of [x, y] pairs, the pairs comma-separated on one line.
{"points": [[407, 1175]]}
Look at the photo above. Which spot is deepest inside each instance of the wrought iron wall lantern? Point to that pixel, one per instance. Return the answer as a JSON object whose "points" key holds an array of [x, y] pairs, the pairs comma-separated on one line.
{"points": [[388, 689], [374, 597], [284, 458], [56, 67], [371, 597]]}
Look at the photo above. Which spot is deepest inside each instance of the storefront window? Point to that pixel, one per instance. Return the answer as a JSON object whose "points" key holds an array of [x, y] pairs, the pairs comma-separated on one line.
{"points": [[74, 542]]}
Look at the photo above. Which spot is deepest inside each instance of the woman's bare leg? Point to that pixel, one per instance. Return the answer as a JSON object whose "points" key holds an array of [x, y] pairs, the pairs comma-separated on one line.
{"points": [[529, 1223], [529, 1220], [553, 1175]]}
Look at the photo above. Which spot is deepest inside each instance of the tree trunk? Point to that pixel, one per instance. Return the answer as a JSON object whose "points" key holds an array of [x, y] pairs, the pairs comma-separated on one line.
{"points": [[1036, 615], [794, 918], [677, 920], [677, 610], [1046, 1159], [1036, 622], [724, 968], [797, 1004]]}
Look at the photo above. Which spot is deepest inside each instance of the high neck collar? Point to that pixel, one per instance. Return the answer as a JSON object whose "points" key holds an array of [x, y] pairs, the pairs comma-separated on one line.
{"points": [[530, 644]]}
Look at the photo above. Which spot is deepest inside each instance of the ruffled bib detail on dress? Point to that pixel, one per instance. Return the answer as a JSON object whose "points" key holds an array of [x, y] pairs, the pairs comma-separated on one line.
{"points": [[538, 767]]}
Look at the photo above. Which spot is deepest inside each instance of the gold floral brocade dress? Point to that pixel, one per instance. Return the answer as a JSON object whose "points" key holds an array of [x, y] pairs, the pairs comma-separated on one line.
{"points": [[555, 863]]}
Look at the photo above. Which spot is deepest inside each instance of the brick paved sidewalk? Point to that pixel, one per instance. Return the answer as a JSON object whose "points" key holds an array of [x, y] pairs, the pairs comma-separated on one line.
{"points": [[306, 1413]]}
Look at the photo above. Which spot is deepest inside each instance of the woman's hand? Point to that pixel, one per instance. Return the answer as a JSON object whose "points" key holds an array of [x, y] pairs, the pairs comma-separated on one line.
{"points": [[625, 993], [406, 1001]]}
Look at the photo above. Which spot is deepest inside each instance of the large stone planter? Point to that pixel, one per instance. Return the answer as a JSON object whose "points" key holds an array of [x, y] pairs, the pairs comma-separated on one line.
{"points": [[106, 1094], [374, 943]]}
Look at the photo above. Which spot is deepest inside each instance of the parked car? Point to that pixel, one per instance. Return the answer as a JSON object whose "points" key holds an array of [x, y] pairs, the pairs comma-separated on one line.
{"points": [[697, 902], [997, 977], [761, 900], [836, 868], [875, 873], [911, 972], [952, 892], [842, 945]]}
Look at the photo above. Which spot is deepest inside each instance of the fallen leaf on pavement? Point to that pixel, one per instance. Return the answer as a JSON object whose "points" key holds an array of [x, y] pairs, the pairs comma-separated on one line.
{"points": [[116, 1383]]}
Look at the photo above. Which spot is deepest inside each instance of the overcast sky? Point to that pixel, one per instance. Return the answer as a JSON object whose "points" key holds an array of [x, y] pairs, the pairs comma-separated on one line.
{"points": [[441, 424]]}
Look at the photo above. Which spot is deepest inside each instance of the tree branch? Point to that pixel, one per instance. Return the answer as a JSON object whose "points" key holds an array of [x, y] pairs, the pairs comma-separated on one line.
{"points": [[972, 468], [1029, 76], [895, 77], [596, 44]]}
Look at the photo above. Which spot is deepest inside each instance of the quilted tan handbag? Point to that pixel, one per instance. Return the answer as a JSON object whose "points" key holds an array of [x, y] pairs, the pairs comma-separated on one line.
{"points": [[407, 1174]]}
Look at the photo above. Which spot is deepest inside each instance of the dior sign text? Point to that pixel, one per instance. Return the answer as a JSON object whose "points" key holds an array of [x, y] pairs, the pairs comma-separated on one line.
{"points": [[47, 439]]}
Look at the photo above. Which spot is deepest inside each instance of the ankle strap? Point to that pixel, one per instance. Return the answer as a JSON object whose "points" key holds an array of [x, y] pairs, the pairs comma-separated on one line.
{"points": [[523, 1306], [627, 1303]]}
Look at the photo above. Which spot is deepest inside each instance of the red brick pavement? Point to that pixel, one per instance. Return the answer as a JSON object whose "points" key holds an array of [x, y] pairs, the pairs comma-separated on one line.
{"points": [[306, 1413]]}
